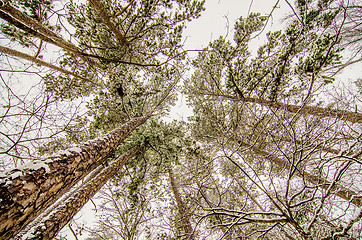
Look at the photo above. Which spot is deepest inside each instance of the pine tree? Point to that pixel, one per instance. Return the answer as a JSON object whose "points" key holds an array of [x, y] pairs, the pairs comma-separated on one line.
{"points": [[262, 157], [28, 191], [62, 214]]}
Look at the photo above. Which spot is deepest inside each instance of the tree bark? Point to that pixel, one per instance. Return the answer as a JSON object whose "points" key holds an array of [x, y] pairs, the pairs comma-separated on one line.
{"points": [[185, 220], [353, 117], [39, 219], [316, 111], [103, 13], [33, 24], [36, 29], [30, 189], [315, 146], [340, 191], [25, 56], [63, 213], [16, 14]]}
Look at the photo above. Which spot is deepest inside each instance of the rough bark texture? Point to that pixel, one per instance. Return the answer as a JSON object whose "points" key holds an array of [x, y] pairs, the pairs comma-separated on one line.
{"points": [[29, 190], [338, 190], [38, 220], [185, 220], [56, 220], [103, 13]]}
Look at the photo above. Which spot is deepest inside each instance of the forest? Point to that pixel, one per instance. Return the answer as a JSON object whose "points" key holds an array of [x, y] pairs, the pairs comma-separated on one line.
{"points": [[272, 150]]}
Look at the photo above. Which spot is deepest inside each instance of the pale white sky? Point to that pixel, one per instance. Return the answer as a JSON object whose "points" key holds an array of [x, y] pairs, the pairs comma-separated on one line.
{"points": [[219, 14], [217, 20]]}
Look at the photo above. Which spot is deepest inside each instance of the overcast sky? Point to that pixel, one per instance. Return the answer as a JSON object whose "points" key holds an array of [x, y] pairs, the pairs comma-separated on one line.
{"points": [[220, 15], [217, 20]]}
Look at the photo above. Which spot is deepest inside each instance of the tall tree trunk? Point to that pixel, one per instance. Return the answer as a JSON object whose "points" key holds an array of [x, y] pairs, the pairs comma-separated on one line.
{"points": [[63, 213], [103, 13], [30, 23], [316, 111], [353, 117], [39, 219], [310, 146], [15, 22], [24, 22], [338, 190], [15, 53], [30, 189], [185, 220]]}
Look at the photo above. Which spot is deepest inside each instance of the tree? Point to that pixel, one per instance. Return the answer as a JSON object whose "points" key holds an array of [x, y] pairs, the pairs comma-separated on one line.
{"points": [[242, 109], [263, 156], [61, 215], [32, 26], [144, 179], [27, 191], [353, 117], [185, 220]]}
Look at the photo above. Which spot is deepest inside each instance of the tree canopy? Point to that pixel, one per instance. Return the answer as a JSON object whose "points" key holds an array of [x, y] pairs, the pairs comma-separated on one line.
{"points": [[272, 150]]}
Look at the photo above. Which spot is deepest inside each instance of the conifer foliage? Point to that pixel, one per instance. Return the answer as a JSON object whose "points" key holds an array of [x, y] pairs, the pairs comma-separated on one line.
{"points": [[272, 150]]}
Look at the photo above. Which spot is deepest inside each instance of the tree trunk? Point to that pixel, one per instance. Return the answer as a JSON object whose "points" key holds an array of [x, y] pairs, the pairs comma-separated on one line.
{"points": [[33, 24], [25, 56], [185, 220], [28, 190], [353, 117], [30, 22], [314, 146], [316, 111], [36, 29], [15, 22], [340, 191], [63, 213], [103, 13]]}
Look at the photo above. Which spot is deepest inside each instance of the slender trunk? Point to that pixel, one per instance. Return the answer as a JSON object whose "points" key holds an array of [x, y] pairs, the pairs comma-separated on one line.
{"points": [[63, 213], [249, 195], [25, 56], [314, 146], [316, 111], [30, 22], [58, 41], [322, 112], [30, 189], [24, 27], [185, 220], [103, 13], [36, 29], [353, 117], [340, 191], [27, 22]]}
